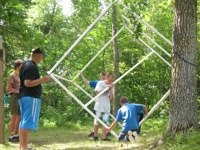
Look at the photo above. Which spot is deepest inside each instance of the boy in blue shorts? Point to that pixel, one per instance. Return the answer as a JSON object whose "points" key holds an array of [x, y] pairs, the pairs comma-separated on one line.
{"points": [[29, 96]]}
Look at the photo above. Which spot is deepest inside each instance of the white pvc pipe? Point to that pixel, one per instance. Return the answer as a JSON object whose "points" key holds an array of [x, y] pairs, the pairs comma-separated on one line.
{"points": [[87, 104], [162, 49], [80, 103], [79, 87], [148, 25], [125, 18], [73, 83], [150, 48], [99, 52], [155, 52], [155, 106], [143, 59], [119, 78], [81, 37]]}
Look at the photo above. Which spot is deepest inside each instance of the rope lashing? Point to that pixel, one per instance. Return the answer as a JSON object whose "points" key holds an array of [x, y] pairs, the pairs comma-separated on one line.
{"points": [[187, 66]]}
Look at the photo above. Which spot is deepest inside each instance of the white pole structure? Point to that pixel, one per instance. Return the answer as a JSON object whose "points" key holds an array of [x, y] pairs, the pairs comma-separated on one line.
{"points": [[128, 20], [79, 87], [78, 41], [80, 103], [133, 67], [148, 25], [150, 48], [162, 49], [155, 52], [119, 78], [81, 37], [100, 51], [73, 83], [155, 106]]}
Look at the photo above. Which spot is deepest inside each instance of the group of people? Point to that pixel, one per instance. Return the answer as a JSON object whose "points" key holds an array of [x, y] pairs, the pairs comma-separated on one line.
{"points": [[130, 114], [24, 86]]}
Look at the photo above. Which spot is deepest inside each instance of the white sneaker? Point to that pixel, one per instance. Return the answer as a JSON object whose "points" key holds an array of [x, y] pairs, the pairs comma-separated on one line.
{"points": [[137, 138], [130, 136]]}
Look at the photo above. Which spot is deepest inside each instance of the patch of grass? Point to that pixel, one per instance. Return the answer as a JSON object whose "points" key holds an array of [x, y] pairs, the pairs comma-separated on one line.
{"points": [[75, 136]]}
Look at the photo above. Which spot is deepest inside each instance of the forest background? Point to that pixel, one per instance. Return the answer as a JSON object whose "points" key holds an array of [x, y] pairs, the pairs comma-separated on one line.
{"points": [[26, 24]]}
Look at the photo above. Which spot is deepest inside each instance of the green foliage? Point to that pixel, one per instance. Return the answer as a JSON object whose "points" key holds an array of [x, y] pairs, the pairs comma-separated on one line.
{"points": [[189, 140], [7, 115], [27, 24]]}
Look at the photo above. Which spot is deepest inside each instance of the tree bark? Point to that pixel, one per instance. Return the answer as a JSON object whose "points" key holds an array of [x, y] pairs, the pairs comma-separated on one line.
{"points": [[116, 61], [2, 60], [183, 101]]}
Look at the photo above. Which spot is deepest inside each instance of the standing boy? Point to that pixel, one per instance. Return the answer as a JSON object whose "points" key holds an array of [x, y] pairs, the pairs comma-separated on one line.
{"points": [[93, 85], [29, 98], [102, 105], [12, 87]]}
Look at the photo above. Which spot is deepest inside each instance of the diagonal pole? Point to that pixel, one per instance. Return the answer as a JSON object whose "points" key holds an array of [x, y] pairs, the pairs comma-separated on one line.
{"points": [[155, 106], [81, 37], [120, 78], [79, 87], [148, 25], [80, 103], [100, 51]]}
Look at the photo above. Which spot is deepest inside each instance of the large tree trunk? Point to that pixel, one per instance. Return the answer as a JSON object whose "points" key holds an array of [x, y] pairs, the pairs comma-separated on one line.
{"points": [[183, 101], [2, 60], [116, 61]]}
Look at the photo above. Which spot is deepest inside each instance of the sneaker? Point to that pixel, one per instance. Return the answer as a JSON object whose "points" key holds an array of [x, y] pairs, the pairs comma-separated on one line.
{"points": [[13, 139], [106, 139], [130, 136], [108, 134], [137, 138], [17, 138], [91, 134], [95, 138]]}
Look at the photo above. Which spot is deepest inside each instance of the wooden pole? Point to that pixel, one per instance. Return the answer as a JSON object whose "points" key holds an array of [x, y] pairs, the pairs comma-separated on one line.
{"points": [[2, 61]]}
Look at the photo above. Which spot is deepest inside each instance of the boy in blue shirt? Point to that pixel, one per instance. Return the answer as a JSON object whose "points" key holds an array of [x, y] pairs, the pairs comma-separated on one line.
{"points": [[94, 82], [128, 113]]}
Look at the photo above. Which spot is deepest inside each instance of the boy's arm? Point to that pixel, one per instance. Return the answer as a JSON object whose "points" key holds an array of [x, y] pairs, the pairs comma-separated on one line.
{"points": [[112, 126], [111, 92], [10, 89], [145, 110], [84, 79]]}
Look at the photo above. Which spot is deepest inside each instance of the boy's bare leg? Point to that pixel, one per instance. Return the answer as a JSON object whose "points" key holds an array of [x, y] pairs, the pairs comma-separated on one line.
{"points": [[96, 130], [23, 138]]}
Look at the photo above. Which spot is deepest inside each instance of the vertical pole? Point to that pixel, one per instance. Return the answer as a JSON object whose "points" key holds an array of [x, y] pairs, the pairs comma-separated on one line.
{"points": [[1, 92]]}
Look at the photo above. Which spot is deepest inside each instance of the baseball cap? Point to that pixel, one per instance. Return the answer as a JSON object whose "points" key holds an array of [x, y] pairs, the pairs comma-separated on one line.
{"points": [[37, 50]]}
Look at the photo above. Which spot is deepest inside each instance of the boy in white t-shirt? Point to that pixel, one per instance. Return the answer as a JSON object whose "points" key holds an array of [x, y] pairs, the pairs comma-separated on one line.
{"points": [[102, 105]]}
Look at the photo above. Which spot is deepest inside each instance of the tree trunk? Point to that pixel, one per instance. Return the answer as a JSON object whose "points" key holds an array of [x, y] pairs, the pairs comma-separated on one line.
{"points": [[2, 60], [116, 61], [183, 101]]}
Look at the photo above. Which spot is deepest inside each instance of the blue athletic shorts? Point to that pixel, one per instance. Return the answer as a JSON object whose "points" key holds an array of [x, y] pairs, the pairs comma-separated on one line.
{"points": [[30, 110], [103, 116]]}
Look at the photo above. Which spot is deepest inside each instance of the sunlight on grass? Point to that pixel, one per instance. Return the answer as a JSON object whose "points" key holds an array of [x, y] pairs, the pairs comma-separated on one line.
{"points": [[75, 136], [49, 124]]}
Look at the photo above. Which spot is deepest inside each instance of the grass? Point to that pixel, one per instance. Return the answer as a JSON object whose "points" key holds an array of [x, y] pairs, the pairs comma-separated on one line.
{"points": [[74, 136]]}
